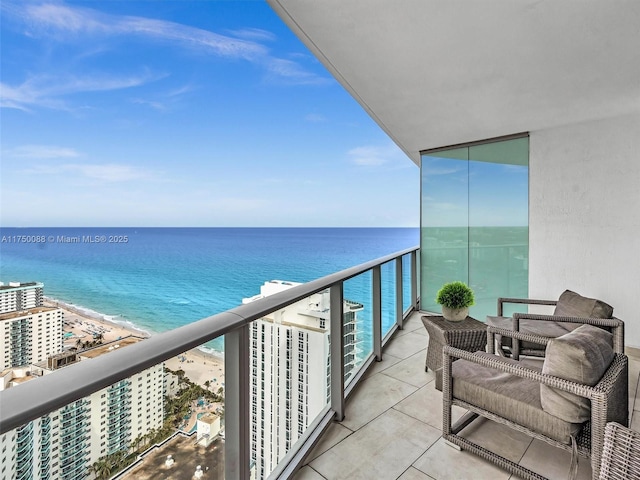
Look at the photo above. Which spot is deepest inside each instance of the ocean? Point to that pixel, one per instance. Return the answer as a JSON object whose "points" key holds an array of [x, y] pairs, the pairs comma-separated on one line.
{"points": [[157, 279]]}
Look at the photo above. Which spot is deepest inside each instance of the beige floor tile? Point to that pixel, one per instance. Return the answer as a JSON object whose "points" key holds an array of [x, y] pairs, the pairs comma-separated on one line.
{"points": [[406, 345], [334, 435], [635, 422], [634, 373], [388, 360], [443, 462], [414, 324], [410, 370], [426, 406], [372, 397], [308, 473], [414, 474], [498, 438], [392, 442], [553, 462]]}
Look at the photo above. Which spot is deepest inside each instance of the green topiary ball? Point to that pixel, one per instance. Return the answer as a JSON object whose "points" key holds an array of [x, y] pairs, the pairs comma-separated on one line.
{"points": [[455, 295]]}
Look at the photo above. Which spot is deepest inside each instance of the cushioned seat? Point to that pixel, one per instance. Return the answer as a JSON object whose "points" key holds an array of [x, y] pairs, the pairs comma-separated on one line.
{"points": [[571, 311], [581, 386], [514, 398]]}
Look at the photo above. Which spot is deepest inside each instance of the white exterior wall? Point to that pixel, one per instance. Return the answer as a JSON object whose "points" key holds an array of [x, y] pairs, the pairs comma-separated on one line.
{"points": [[147, 398], [306, 324], [47, 330], [30, 297], [146, 413], [45, 336], [145, 410], [7, 453], [584, 214]]}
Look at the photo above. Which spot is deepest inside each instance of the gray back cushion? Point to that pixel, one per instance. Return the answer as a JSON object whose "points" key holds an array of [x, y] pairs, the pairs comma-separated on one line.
{"points": [[571, 304], [581, 356]]}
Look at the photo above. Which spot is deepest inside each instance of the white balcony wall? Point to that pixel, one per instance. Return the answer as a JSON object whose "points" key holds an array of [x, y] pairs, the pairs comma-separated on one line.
{"points": [[584, 214]]}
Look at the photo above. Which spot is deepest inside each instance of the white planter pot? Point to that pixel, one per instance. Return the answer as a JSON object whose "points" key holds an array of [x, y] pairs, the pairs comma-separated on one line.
{"points": [[455, 314]]}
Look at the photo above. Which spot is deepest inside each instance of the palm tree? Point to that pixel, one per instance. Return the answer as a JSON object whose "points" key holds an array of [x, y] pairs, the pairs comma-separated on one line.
{"points": [[101, 468], [79, 343]]}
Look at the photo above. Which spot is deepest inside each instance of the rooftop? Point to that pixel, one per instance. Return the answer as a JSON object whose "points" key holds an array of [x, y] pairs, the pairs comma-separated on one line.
{"points": [[393, 426], [186, 455], [109, 347], [13, 285], [22, 313]]}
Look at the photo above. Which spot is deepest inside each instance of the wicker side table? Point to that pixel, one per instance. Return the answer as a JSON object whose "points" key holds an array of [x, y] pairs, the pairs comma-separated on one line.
{"points": [[469, 335]]}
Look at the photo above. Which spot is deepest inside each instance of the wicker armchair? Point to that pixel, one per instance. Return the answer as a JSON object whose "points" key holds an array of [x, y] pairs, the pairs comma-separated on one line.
{"points": [[571, 311], [621, 453], [508, 392]]}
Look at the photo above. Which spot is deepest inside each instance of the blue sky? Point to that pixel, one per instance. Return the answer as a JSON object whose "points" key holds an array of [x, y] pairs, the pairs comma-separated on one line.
{"points": [[180, 113]]}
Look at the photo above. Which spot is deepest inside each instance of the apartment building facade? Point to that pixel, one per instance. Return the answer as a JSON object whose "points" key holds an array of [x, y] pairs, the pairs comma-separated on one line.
{"points": [[66, 442], [16, 296], [30, 336], [290, 371]]}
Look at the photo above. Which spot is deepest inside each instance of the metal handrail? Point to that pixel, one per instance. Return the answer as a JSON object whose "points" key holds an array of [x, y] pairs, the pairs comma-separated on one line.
{"points": [[50, 392]]}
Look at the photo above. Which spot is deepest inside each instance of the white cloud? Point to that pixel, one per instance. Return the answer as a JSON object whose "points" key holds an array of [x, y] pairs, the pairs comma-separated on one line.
{"points": [[375, 155], [109, 172], [315, 118], [46, 90], [62, 22], [254, 34], [290, 72], [41, 152]]}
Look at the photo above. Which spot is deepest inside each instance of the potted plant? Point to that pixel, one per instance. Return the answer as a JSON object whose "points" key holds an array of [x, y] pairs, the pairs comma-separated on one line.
{"points": [[455, 298]]}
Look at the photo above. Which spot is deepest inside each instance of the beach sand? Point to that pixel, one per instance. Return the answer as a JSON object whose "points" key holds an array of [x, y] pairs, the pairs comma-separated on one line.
{"points": [[198, 366]]}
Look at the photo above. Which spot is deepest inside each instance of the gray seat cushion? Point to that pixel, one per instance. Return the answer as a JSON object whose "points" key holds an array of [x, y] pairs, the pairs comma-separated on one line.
{"points": [[582, 356], [542, 328], [508, 396]]}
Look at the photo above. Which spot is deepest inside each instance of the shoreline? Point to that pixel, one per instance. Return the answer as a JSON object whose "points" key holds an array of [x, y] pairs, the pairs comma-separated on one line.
{"points": [[82, 324]]}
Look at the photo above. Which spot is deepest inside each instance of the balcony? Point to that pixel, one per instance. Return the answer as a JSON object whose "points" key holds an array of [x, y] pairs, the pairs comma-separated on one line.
{"points": [[392, 427], [383, 421]]}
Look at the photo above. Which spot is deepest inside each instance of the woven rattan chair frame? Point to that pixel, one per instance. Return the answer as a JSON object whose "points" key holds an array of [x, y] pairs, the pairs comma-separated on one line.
{"points": [[621, 453], [609, 392], [613, 325]]}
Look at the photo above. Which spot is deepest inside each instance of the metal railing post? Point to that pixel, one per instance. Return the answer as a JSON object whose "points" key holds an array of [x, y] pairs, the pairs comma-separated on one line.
{"points": [[237, 455], [376, 290], [414, 280], [336, 295], [399, 309]]}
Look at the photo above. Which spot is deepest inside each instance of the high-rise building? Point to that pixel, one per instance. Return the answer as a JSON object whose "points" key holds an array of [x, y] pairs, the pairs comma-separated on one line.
{"points": [[18, 296], [30, 336], [290, 371], [66, 442]]}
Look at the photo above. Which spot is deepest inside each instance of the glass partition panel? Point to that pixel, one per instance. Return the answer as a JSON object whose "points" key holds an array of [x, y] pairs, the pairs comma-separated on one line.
{"points": [[474, 222], [406, 282], [358, 323], [444, 235], [388, 281], [498, 222]]}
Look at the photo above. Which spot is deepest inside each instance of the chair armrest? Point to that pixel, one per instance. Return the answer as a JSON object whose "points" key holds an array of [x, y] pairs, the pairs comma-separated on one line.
{"points": [[615, 324], [524, 301], [527, 337]]}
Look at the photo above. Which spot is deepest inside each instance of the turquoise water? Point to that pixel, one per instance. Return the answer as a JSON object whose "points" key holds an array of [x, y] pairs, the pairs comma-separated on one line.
{"points": [[157, 279]]}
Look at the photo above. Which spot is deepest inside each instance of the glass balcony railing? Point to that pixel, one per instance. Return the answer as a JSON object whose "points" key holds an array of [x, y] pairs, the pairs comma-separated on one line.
{"points": [[291, 359]]}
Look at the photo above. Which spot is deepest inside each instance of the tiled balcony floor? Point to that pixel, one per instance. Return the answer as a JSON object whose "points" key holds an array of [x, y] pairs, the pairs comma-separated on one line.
{"points": [[393, 425]]}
